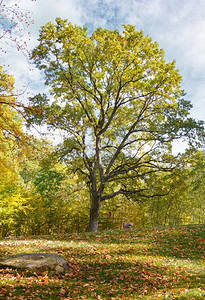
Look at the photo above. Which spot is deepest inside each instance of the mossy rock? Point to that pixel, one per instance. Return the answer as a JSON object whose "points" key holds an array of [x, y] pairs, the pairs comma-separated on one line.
{"points": [[36, 263]]}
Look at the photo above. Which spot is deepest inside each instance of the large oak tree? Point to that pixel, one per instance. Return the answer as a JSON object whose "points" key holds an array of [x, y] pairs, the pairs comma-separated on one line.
{"points": [[118, 103]]}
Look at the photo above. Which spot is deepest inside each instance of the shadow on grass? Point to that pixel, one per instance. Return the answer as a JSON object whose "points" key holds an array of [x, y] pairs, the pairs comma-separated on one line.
{"points": [[107, 279], [113, 265], [184, 242]]}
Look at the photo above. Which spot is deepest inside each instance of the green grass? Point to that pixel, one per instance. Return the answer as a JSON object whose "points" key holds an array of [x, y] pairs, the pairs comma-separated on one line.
{"points": [[163, 263]]}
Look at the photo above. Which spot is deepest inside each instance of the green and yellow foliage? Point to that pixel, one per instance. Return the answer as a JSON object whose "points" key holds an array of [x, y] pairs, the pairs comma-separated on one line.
{"points": [[12, 136], [117, 102], [119, 105]]}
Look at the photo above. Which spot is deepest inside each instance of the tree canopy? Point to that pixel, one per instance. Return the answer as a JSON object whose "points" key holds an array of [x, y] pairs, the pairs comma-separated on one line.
{"points": [[118, 103], [11, 124]]}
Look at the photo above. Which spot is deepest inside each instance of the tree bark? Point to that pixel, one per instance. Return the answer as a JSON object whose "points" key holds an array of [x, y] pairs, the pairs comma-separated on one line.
{"points": [[94, 215], [97, 191]]}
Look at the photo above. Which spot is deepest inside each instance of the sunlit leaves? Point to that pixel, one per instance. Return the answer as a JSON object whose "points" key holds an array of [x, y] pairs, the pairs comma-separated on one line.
{"points": [[110, 84], [117, 102], [11, 131]]}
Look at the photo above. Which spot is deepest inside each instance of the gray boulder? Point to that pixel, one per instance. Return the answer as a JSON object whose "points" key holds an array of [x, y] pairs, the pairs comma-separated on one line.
{"points": [[36, 263]]}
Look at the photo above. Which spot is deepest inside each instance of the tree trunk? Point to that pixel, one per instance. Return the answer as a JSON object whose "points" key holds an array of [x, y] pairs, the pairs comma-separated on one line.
{"points": [[94, 215], [97, 191]]}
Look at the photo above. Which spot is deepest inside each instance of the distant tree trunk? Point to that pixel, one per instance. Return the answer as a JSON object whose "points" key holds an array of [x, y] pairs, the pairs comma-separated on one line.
{"points": [[167, 213]]}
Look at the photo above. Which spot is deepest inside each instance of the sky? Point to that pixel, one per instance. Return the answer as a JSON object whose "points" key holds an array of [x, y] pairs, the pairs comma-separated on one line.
{"points": [[177, 25]]}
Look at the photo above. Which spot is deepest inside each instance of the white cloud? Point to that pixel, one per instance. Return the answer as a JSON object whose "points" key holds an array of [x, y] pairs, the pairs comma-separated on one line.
{"points": [[48, 10], [178, 27], [44, 11]]}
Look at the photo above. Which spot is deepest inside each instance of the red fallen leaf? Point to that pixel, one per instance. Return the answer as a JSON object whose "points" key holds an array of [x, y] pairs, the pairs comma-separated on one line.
{"points": [[201, 240]]}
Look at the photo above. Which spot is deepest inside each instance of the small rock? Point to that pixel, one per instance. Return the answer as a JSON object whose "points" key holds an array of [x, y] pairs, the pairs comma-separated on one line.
{"points": [[127, 225]]}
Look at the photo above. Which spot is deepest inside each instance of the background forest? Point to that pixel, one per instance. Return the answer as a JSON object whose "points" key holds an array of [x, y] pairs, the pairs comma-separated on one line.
{"points": [[42, 194]]}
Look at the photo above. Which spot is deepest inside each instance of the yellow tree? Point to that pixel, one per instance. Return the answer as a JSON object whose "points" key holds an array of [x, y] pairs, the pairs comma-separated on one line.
{"points": [[11, 129], [14, 22], [119, 103]]}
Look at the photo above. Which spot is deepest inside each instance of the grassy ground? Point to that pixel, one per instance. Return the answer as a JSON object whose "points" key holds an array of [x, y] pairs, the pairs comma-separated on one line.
{"points": [[164, 263]]}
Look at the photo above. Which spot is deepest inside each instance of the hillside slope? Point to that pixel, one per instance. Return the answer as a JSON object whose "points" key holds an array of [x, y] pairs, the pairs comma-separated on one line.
{"points": [[160, 263]]}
